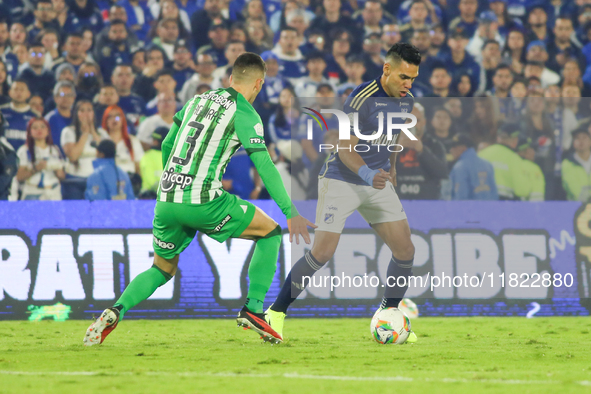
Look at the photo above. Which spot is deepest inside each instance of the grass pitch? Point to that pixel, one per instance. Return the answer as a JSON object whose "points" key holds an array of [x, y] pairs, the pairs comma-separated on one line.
{"points": [[459, 355]]}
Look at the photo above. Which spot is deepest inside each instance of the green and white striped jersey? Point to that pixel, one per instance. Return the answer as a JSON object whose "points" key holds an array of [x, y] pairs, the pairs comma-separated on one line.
{"points": [[210, 129]]}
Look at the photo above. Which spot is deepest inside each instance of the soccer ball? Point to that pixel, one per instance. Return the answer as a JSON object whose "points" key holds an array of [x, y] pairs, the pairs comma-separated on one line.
{"points": [[409, 308], [390, 326]]}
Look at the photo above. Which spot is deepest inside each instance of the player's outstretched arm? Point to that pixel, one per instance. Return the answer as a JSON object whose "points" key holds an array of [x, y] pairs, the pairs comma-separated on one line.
{"points": [[272, 179], [353, 161]]}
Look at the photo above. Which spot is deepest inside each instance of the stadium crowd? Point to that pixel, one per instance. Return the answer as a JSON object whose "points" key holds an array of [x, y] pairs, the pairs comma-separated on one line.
{"points": [[88, 89]]}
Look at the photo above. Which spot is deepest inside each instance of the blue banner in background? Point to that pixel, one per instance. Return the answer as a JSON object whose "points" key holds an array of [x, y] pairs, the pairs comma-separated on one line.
{"points": [[74, 258]]}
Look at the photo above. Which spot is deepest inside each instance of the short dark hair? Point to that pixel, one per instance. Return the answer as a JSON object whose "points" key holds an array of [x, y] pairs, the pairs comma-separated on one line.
{"points": [[404, 51], [76, 34], [246, 63], [315, 55], [503, 66], [439, 66], [288, 28], [355, 59], [164, 71], [489, 41], [43, 1], [117, 22]]}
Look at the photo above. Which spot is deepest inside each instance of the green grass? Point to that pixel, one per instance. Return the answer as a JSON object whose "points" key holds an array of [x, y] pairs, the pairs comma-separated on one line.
{"points": [[455, 355]]}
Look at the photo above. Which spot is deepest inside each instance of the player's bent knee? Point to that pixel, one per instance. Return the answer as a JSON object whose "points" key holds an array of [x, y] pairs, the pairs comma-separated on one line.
{"points": [[276, 232], [167, 265]]}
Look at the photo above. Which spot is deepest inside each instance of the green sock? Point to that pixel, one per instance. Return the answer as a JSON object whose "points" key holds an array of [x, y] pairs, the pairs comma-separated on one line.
{"points": [[141, 287], [262, 269]]}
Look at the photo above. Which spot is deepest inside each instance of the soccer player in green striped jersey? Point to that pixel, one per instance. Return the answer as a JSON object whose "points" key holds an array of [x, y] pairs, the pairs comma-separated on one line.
{"points": [[206, 133]]}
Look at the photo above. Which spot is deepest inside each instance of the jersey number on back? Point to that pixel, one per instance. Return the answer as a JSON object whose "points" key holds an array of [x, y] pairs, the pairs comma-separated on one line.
{"points": [[192, 141]]}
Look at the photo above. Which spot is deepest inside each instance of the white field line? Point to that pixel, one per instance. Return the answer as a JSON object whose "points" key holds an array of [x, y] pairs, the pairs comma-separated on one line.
{"points": [[290, 376]]}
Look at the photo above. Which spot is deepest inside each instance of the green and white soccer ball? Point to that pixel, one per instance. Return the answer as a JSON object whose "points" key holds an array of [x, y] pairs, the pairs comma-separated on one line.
{"points": [[390, 326]]}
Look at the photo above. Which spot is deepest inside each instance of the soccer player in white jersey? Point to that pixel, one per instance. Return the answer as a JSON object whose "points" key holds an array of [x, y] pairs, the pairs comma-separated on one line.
{"points": [[364, 181]]}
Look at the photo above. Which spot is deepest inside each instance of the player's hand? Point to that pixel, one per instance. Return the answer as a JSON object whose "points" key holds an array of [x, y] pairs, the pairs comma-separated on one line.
{"points": [[380, 179], [298, 225]]}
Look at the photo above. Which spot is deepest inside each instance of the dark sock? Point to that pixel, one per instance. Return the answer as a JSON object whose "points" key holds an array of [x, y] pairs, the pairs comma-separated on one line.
{"points": [[293, 286], [394, 294]]}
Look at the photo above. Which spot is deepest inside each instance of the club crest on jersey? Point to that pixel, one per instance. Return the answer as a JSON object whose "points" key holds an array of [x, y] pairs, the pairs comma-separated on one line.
{"points": [[258, 128], [328, 218], [170, 179]]}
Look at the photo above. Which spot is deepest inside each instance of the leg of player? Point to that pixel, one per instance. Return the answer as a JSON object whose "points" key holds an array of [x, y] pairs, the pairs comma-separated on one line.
{"points": [[325, 244], [397, 236], [140, 288], [267, 235]]}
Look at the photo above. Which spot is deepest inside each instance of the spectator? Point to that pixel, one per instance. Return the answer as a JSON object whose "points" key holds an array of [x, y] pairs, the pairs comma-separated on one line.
{"points": [[65, 72], [471, 177], [482, 124], [167, 34], [61, 9], [74, 51], [418, 14], [298, 19], [241, 177], [390, 36], [440, 127], [455, 107], [336, 61], [260, 35], [373, 17], [138, 60], [41, 167], [50, 40], [144, 82], [422, 40], [151, 163], [536, 52], [129, 148], [440, 81], [8, 163], [467, 19], [510, 177], [461, 86], [332, 19], [8, 58], [285, 118], [202, 20], [132, 104], [219, 36], [488, 29], [116, 13], [561, 48], [4, 98], [78, 141], [64, 95], [268, 98], [538, 126], [36, 104], [294, 173], [315, 64], [491, 58], [537, 21], [501, 83], [166, 107], [114, 49], [571, 75], [233, 50], [83, 13], [506, 23], [40, 80], [89, 81], [569, 118], [458, 61], [576, 167], [535, 177], [514, 51], [421, 166], [107, 96], [17, 114], [205, 67], [44, 18], [182, 65], [168, 9], [438, 41], [290, 58], [139, 17], [164, 83], [355, 69], [372, 52], [108, 181], [22, 54], [18, 34]]}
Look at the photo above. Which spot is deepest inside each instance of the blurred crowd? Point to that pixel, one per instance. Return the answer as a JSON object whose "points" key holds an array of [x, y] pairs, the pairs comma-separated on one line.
{"points": [[88, 89]]}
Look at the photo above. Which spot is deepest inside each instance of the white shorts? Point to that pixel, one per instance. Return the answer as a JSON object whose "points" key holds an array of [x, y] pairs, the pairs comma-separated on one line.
{"points": [[337, 200]]}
